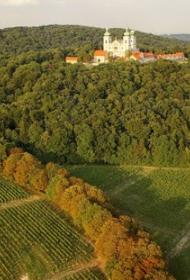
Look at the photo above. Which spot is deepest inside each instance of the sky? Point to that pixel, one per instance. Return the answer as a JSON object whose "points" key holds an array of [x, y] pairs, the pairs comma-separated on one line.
{"points": [[155, 16]]}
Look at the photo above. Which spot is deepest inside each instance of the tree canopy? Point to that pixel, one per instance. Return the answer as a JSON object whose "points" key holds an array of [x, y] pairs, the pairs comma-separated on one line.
{"points": [[115, 113], [75, 39]]}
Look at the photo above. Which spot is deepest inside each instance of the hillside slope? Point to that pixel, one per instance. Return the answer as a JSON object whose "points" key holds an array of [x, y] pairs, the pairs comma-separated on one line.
{"points": [[20, 39], [182, 37], [42, 243], [122, 248], [113, 113], [158, 198]]}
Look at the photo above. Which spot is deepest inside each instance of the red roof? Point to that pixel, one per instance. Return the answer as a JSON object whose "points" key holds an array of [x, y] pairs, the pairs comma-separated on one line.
{"points": [[177, 55], [137, 55], [100, 53], [148, 55]]}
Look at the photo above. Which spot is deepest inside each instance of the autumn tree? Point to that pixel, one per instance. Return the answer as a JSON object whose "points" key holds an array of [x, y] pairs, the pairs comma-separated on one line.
{"points": [[125, 250]]}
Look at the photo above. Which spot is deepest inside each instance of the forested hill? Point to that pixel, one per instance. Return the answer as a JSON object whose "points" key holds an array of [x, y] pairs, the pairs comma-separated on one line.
{"points": [[113, 113], [182, 37], [69, 37]]}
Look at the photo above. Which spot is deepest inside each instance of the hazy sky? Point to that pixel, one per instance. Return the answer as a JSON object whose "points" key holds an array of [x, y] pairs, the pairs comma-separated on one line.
{"points": [[156, 16]]}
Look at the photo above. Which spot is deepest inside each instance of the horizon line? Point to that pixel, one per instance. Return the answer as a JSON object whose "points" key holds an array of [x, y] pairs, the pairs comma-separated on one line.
{"points": [[82, 25]]}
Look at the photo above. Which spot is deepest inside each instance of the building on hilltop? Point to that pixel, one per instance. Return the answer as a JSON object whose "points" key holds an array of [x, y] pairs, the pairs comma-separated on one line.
{"points": [[72, 59], [143, 57], [125, 50], [147, 57], [120, 48], [178, 56], [100, 56]]}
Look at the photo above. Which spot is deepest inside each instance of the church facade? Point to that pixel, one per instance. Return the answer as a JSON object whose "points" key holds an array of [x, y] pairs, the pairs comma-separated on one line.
{"points": [[120, 48]]}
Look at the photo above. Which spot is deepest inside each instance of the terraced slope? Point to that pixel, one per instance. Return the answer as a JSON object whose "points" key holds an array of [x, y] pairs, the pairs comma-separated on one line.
{"points": [[38, 242]]}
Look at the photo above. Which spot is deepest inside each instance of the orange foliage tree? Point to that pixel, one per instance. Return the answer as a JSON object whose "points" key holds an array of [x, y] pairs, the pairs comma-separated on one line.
{"points": [[124, 250], [9, 165]]}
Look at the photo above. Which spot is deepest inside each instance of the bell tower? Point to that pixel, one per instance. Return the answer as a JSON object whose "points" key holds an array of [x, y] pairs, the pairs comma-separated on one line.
{"points": [[133, 40], [127, 40], [107, 40]]}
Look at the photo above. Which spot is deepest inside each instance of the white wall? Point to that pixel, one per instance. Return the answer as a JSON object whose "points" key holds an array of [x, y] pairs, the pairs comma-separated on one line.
{"points": [[100, 59]]}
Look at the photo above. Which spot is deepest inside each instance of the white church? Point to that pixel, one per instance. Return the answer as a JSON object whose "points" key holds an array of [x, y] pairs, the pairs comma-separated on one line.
{"points": [[116, 48], [120, 48]]}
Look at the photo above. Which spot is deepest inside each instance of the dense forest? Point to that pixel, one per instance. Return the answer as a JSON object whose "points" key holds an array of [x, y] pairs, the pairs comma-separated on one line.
{"points": [[114, 113], [77, 39]]}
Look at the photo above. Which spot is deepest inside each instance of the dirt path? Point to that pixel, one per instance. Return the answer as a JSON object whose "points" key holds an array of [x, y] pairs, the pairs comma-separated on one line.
{"points": [[181, 244], [20, 202], [77, 269]]}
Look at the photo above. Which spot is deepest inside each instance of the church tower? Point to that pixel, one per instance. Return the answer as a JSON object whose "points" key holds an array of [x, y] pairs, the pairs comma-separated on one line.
{"points": [[127, 41], [133, 40], [107, 40]]}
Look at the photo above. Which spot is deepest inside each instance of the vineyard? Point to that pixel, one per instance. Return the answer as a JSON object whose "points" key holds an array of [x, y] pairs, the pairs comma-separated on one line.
{"points": [[38, 241], [158, 198], [8, 191]]}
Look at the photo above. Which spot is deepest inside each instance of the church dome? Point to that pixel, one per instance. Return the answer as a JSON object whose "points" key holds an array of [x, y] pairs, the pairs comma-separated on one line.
{"points": [[127, 32], [132, 32], [107, 33]]}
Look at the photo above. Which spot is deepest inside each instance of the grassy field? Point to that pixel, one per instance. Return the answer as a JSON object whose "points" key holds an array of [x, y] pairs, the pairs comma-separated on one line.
{"points": [[38, 241], [158, 198]]}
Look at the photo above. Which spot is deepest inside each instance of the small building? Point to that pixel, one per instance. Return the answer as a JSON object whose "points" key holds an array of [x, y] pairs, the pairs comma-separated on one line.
{"points": [[178, 56], [137, 56], [72, 59], [143, 57], [100, 56], [148, 57]]}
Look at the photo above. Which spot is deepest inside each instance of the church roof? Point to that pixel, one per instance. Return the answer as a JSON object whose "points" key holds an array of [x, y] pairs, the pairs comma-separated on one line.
{"points": [[117, 41]]}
